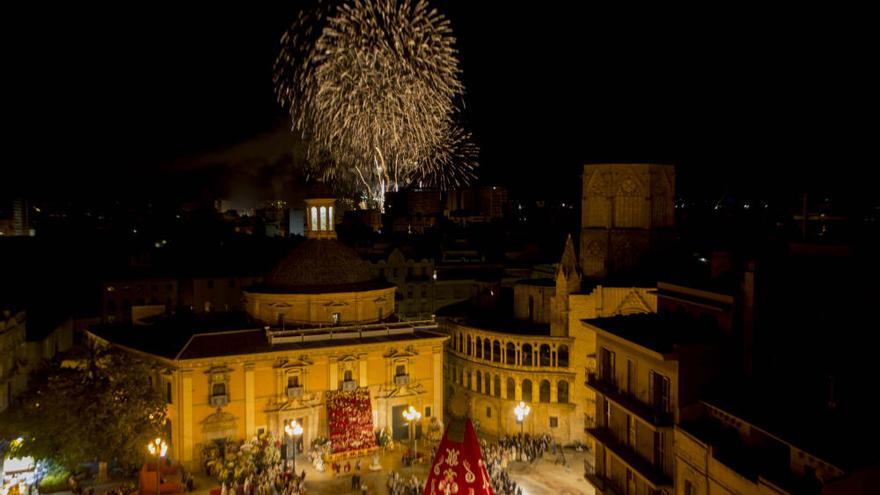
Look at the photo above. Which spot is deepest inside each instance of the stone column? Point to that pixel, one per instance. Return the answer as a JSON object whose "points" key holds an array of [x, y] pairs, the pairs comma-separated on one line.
{"points": [[362, 371], [553, 392], [518, 392], [249, 401], [437, 381], [186, 416], [334, 374]]}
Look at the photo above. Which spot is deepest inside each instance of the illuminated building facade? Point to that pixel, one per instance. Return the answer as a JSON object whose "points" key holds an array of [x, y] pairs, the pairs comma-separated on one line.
{"points": [[320, 322]]}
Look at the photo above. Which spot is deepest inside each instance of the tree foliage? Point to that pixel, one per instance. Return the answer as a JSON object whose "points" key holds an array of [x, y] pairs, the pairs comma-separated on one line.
{"points": [[104, 408]]}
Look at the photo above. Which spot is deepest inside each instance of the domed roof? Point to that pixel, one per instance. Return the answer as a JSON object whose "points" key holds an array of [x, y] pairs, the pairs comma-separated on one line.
{"points": [[321, 265]]}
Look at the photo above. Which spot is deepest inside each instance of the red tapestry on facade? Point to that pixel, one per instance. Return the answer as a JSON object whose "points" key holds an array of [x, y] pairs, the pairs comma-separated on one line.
{"points": [[458, 466], [350, 420]]}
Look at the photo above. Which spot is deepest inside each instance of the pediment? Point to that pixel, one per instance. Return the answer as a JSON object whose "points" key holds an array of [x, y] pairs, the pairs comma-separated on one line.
{"points": [[297, 362], [394, 352], [219, 420], [633, 303]]}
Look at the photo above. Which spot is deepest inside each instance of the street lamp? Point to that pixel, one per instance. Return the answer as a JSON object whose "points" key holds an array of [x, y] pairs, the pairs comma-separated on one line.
{"points": [[521, 411], [293, 429], [158, 448], [411, 415]]}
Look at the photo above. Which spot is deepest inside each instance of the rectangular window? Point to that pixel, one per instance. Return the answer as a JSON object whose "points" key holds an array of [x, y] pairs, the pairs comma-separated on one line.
{"points": [[659, 449], [606, 365], [630, 377], [658, 391], [293, 381], [428, 412], [168, 393], [631, 427], [554, 421], [400, 370], [336, 318], [488, 412]]}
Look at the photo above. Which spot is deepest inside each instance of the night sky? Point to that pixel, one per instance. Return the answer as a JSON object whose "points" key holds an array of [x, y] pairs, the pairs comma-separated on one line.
{"points": [[743, 100]]}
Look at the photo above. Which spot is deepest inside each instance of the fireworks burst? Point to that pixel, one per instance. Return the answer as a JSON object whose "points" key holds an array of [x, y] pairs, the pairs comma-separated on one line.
{"points": [[372, 86]]}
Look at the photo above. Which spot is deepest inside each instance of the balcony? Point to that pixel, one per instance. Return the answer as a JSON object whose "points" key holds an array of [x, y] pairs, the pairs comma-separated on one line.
{"points": [[349, 385], [294, 392], [645, 469], [603, 485], [647, 413], [219, 400], [401, 380]]}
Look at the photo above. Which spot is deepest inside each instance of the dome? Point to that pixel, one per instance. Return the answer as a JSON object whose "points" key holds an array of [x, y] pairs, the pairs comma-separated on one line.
{"points": [[321, 265]]}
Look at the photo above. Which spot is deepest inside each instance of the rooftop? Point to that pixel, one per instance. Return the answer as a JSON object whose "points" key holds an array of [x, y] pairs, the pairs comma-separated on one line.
{"points": [[321, 265], [192, 336], [658, 332], [799, 415], [540, 282], [494, 319]]}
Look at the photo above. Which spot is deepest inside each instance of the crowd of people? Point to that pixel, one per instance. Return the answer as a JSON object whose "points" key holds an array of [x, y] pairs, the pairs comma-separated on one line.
{"points": [[402, 485], [498, 455], [272, 481]]}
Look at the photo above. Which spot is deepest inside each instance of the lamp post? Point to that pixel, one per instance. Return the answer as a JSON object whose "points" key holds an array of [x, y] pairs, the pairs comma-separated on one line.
{"points": [[293, 429], [411, 415], [521, 411], [158, 448]]}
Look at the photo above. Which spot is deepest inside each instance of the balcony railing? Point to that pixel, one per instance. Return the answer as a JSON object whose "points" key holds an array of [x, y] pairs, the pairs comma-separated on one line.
{"points": [[219, 400], [646, 412], [294, 392], [349, 385], [330, 332], [639, 464], [401, 380]]}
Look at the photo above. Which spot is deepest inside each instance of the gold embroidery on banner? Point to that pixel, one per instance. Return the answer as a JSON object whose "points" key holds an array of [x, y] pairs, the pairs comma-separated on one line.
{"points": [[469, 477]]}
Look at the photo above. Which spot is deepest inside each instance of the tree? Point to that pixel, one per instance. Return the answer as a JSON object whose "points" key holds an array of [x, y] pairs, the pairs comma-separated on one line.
{"points": [[103, 408], [373, 87]]}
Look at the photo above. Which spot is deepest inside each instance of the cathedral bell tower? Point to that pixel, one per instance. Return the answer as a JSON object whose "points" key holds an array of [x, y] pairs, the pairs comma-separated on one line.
{"points": [[320, 218]]}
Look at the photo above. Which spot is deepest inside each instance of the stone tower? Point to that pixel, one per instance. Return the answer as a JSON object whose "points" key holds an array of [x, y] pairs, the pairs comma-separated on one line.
{"points": [[626, 210], [568, 281]]}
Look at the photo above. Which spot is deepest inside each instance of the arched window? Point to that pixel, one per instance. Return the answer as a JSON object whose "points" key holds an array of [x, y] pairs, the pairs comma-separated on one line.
{"points": [[544, 355], [323, 215], [487, 349], [544, 391], [562, 392], [479, 382], [496, 351], [218, 389], [330, 217], [527, 391], [313, 225], [470, 350], [562, 356], [496, 391], [511, 389], [488, 379], [526, 355], [468, 376], [511, 353], [479, 347], [460, 340]]}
